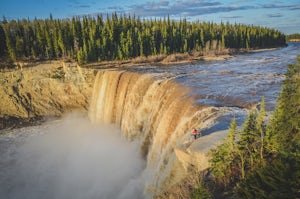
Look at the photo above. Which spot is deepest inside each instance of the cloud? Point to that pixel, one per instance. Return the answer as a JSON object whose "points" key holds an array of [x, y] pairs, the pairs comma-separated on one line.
{"points": [[83, 6], [196, 4], [296, 7], [73, 1], [273, 6], [76, 4], [155, 5], [274, 15], [116, 8], [231, 17], [194, 8], [243, 1], [182, 8]]}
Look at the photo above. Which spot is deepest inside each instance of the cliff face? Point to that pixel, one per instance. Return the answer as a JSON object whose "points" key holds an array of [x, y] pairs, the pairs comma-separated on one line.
{"points": [[41, 91]]}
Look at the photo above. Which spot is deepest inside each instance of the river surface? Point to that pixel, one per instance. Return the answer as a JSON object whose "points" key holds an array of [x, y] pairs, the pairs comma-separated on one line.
{"points": [[241, 81], [69, 159]]}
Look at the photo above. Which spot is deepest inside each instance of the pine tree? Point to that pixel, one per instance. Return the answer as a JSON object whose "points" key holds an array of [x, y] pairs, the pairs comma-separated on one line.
{"points": [[3, 48], [106, 39], [82, 56], [268, 161], [280, 177], [222, 161], [283, 132], [248, 141], [10, 43], [261, 127]]}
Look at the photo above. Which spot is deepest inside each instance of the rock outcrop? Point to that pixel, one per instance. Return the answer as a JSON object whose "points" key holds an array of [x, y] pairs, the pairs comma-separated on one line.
{"points": [[48, 89]]}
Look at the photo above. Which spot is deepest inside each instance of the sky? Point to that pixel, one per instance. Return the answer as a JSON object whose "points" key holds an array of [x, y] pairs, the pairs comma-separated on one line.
{"points": [[283, 15]]}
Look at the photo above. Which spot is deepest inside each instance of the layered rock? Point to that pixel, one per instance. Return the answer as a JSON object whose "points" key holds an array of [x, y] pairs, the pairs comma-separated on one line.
{"points": [[48, 89]]}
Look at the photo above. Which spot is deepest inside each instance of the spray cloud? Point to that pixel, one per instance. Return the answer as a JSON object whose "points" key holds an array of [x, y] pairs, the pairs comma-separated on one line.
{"points": [[74, 159]]}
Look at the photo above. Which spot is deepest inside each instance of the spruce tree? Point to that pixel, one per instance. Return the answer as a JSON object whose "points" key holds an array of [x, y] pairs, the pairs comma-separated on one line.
{"points": [[123, 37], [280, 177], [82, 56], [222, 160], [283, 132], [251, 140], [261, 128], [3, 48]]}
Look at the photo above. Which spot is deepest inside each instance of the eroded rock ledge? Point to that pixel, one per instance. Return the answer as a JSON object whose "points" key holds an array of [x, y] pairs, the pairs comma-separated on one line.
{"points": [[29, 95]]}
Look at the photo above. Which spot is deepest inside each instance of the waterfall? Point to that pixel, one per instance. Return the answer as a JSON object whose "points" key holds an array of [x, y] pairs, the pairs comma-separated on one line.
{"points": [[154, 110]]}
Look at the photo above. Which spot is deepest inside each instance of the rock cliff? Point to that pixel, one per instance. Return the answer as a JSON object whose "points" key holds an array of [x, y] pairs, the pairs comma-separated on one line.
{"points": [[44, 90]]}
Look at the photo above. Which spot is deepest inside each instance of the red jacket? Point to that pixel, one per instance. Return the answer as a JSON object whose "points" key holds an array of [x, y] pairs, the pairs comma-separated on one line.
{"points": [[194, 132]]}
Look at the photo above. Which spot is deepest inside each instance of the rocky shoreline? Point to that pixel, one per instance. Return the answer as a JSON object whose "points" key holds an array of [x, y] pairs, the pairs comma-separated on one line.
{"points": [[15, 122]]}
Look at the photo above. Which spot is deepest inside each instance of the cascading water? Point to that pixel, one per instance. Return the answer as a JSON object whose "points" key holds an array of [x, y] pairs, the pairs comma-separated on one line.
{"points": [[79, 160], [150, 108], [155, 111]]}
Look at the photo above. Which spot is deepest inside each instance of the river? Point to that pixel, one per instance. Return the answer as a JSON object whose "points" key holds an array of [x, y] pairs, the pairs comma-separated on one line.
{"points": [[240, 81], [70, 158]]}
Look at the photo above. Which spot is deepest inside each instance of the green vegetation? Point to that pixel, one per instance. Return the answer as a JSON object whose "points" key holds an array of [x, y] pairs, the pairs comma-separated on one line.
{"points": [[200, 191], [293, 37], [263, 161], [89, 39]]}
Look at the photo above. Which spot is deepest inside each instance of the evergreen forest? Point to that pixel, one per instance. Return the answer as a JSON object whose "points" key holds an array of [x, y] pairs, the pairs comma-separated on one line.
{"points": [[118, 37], [262, 160], [295, 36]]}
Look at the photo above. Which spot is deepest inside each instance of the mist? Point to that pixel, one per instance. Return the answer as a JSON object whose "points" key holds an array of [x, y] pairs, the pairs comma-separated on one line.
{"points": [[73, 159]]}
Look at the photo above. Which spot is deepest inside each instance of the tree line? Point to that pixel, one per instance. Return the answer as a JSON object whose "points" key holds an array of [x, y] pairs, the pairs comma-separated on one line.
{"points": [[295, 36], [262, 160], [117, 37]]}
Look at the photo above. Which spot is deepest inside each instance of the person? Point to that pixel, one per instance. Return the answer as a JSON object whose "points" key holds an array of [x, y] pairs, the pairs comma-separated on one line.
{"points": [[195, 132]]}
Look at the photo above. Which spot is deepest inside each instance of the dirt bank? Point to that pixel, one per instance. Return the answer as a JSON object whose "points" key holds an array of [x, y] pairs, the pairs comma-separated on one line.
{"points": [[176, 59], [49, 89], [166, 60]]}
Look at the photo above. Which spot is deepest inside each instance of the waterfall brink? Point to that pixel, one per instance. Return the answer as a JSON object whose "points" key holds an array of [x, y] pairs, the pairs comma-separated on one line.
{"points": [[154, 110]]}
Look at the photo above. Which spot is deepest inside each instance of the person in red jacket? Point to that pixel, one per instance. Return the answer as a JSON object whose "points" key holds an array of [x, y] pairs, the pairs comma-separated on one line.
{"points": [[195, 132]]}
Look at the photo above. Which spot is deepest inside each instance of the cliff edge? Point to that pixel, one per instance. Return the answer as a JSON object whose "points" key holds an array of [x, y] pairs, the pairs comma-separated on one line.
{"points": [[44, 90]]}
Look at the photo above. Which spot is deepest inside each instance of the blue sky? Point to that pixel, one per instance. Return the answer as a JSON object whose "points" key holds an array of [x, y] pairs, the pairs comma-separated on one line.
{"points": [[283, 15]]}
